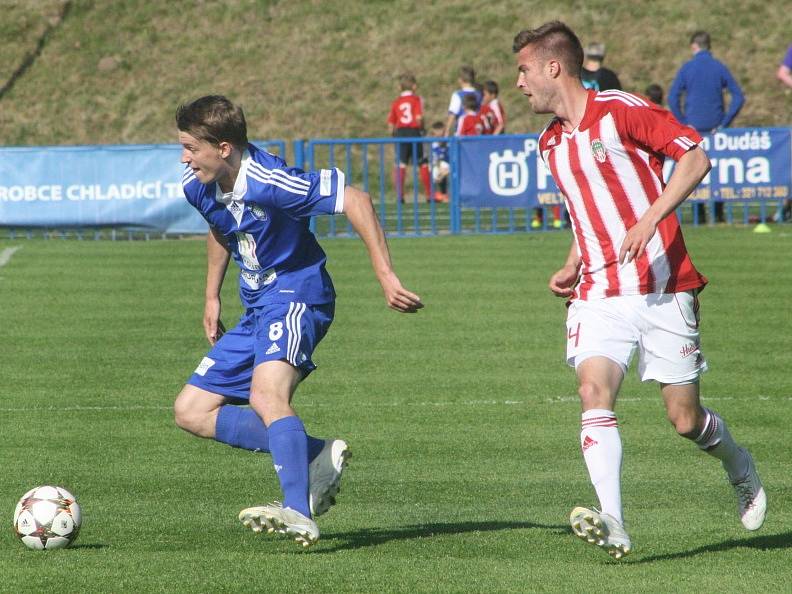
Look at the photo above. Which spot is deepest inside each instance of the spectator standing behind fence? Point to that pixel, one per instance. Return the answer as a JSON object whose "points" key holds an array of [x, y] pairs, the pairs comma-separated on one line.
{"points": [[492, 114], [702, 80], [593, 74], [467, 86], [405, 120], [440, 163], [469, 123], [784, 73]]}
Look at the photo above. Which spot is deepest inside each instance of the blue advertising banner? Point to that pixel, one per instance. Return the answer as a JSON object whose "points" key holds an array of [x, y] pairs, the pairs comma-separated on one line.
{"points": [[507, 171], [95, 186], [747, 164], [504, 171], [120, 186], [139, 186]]}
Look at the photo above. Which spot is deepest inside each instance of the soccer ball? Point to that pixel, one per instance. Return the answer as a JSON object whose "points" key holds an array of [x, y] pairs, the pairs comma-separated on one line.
{"points": [[47, 518]]}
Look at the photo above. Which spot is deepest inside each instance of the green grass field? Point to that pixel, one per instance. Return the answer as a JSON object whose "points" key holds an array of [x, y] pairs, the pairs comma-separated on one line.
{"points": [[463, 421]]}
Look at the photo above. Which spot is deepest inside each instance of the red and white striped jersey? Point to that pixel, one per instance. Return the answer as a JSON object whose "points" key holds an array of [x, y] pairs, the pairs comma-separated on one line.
{"points": [[610, 171], [406, 111], [492, 115]]}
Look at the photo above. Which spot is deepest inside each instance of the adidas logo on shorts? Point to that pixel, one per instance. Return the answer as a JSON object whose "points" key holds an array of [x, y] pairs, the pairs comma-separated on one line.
{"points": [[274, 348]]}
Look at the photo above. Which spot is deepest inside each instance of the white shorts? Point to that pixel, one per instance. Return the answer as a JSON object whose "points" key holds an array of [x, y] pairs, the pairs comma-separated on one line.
{"points": [[663, 328]]}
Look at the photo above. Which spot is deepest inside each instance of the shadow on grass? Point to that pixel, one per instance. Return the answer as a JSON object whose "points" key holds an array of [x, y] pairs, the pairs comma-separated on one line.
{"points": [[376, 536], [91, 545], [763, 543]]}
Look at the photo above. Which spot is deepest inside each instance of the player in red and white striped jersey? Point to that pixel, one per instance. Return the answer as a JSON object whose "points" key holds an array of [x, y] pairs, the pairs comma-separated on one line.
{"points": [[492, 114], [610, 170], [630, 281]]}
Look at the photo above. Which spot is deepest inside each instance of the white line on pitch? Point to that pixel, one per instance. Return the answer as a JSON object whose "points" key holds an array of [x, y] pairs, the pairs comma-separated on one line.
{"points": [[391, 404], [6, 254]]}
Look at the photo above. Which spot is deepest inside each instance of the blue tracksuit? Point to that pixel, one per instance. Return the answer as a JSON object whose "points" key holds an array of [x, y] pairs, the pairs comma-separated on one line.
{"points": [[702, 80]]}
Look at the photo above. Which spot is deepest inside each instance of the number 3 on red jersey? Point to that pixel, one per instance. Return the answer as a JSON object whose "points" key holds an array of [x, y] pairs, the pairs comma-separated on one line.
{"points": [[407, 114]]}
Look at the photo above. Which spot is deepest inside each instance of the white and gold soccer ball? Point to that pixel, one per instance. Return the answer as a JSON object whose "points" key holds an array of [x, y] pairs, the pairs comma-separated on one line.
{"points": [[47, 518]]}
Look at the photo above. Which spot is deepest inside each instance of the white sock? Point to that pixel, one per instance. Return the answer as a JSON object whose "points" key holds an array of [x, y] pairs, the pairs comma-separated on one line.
{"points": [[602, 451], [716, 440]]}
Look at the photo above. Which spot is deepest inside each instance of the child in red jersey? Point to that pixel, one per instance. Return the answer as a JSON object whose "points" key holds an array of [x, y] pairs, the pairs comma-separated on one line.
{"points": [[405, 119], [493, 117], [469, 123]]}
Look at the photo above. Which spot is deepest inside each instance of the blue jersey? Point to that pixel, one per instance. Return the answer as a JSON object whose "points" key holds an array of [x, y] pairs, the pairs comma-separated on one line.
{"points": [[439, 152], [265, 222], [455, 105]]}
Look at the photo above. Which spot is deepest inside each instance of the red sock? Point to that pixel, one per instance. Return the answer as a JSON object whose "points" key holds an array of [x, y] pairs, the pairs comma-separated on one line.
{"points": [[423, 171]]}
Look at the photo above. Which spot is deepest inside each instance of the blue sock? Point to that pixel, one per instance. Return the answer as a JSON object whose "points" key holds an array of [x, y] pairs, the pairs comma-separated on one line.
{"points": [[243, 428], [289, 446], [314, 447]]}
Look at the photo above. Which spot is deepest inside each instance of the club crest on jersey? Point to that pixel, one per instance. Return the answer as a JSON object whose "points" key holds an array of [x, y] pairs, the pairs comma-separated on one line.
{"points": [[257, 212], [598, 150]]}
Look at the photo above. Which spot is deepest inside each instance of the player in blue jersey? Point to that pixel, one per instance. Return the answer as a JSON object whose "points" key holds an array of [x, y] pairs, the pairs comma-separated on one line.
{"points": [[467, 86], [258, 211]]}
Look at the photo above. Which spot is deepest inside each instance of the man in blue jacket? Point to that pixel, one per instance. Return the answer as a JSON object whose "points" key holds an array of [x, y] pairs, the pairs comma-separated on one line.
{"points": [[702, 80]]}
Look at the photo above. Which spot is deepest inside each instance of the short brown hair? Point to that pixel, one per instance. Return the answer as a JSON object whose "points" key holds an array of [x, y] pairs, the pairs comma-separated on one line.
{"points": [[701, 39], [555, 40], [406, 81], [215, 119], [467, 74], [491, 87]]}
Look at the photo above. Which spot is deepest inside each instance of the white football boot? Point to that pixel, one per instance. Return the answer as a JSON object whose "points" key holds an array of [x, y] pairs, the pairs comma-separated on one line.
{"points": [[282, 520], [751, 498], [324, 475], [602, 530]]}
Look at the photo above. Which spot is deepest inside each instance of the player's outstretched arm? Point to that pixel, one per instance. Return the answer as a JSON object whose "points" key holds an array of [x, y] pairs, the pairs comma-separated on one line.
{"points": [[217, 257], [688, 173], [360, 212]]}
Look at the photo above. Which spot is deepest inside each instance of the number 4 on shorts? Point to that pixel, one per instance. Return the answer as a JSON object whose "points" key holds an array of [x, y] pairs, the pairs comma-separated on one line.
{"points": [[575, 334]]}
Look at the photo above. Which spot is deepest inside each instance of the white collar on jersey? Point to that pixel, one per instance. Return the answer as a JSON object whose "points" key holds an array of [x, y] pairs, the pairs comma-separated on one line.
{"points": [[240, 184]]}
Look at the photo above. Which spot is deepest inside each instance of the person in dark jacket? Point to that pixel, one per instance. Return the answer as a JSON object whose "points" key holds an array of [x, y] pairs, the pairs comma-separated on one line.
{"points": [[702, 80]]}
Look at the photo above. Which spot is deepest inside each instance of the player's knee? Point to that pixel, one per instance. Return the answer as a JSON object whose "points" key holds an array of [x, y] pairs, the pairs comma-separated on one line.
{"points": [[593, 395], [262, 400], [183, 415], [270, 405], [187, 416], [685, 424]]}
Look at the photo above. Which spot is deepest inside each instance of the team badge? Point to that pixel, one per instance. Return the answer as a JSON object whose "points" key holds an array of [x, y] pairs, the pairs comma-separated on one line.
{"points": [[257, 212], [598, 150]]}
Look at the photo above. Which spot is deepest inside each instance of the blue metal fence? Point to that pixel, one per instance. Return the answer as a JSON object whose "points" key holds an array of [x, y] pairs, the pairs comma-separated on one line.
{"points": [[497, 184], [372, 164]]}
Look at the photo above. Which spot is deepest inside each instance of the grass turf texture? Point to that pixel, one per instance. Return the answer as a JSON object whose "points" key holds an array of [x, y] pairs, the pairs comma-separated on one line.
{"points": [[463, 420], [114, 72]]}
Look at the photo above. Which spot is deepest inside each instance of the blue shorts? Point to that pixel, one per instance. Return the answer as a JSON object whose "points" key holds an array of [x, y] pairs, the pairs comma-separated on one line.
{"points": [[281, 331]]}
